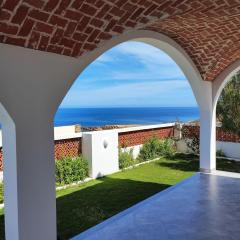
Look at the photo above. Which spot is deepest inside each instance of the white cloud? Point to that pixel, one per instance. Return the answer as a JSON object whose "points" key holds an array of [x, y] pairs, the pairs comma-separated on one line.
{"points": [[154, 63], [153, 93], [105, 58], [145, 53], [134, 74]]}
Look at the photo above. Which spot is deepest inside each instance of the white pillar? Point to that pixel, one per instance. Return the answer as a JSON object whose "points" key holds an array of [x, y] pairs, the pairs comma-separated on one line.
{"points": [[31, 87], [100, 148], [30, 203], [207, 131]]}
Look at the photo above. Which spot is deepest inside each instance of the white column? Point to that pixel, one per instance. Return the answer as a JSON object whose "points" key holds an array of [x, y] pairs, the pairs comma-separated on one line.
{"points": [[32, 85], [29, 179], [207, 132]]}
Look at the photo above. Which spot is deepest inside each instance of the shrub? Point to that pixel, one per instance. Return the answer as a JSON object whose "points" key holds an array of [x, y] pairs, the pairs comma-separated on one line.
{"points": [[69, 170], [149, 150], [155, 147], [220, 153], [167, 148], [1, 193], [125, 158]]}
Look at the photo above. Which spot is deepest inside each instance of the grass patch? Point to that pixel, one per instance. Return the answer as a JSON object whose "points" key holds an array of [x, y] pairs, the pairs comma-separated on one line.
{"points": [[81, 207]]}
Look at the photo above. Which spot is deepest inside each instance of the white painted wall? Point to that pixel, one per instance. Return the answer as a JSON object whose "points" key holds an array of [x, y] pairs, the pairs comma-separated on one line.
{"points": [[144, 127], [66, 132], [136, 150], [0, 138], [100, 148], [230, 149], [182, 147]]}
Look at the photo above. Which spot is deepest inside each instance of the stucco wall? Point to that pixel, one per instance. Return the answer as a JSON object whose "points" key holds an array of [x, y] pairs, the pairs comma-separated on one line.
{"points": [[100, 148], [230, 149]]}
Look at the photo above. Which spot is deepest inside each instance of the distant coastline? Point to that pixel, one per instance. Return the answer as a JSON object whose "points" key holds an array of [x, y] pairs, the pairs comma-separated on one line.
{"points": [[98, 117]]}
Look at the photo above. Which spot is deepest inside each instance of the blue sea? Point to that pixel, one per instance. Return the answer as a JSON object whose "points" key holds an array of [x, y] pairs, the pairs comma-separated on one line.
{"points": [[114, 116]]}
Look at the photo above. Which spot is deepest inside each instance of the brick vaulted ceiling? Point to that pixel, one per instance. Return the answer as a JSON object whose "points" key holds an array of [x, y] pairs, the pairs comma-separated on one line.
{"points": [[209, 30]]}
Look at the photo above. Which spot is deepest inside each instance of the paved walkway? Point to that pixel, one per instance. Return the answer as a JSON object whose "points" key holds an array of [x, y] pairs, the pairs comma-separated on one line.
{"points": [[204, 206]]}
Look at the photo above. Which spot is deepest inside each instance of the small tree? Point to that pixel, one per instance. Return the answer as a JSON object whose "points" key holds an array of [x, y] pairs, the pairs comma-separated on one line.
{"points": [[228, 107]]}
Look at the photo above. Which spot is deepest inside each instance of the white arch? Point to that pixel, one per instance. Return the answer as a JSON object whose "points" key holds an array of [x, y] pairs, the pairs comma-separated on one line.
{"points": [[160, 41], [10, 176], [202, 90], [222, 79], [33, 84]]}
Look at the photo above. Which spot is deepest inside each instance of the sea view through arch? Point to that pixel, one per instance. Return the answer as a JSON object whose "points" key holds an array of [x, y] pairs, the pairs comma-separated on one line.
{"points": [[124, 116]]}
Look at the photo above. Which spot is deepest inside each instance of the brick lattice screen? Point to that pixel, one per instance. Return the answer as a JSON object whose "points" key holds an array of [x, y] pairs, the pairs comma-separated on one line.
{"points": [[139, 137], [208, 30], [221, 135], [68, 147]]}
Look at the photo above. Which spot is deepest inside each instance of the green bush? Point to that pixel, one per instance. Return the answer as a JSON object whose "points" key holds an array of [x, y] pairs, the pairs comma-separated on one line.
{"points": [[149, 150], [69, 170], [220, 153], [155, 147], [167, 148], [125, 158], [1, 193]]}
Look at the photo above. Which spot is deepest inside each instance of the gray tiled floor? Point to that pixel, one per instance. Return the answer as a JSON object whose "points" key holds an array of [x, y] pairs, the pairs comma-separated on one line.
{"points": [[205, 207]]}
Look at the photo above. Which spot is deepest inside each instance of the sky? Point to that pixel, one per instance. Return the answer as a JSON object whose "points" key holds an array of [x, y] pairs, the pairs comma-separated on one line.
{"points": [[132, 74]]}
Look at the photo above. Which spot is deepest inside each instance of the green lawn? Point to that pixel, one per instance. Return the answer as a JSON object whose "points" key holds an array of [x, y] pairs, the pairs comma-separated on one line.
{"points": [[81, 207]]}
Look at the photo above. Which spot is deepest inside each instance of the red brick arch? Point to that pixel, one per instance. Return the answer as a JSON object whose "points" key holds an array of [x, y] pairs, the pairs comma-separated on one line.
{"points": [[208, 30]]}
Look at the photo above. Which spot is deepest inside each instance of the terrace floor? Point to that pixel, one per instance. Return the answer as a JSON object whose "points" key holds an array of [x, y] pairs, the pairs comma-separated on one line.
{"points": [[202, 207]]}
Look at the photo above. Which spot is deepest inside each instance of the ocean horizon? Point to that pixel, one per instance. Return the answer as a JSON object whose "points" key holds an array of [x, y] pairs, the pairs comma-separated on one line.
{"points": [[92, 117]]}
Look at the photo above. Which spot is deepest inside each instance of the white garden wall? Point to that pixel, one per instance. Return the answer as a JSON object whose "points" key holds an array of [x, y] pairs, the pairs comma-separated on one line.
{"points": [[136, 150], [230, 149], [100, 148]]}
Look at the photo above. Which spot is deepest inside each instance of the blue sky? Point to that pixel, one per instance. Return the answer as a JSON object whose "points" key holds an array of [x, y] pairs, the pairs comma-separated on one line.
{"points": [[132, 74]]}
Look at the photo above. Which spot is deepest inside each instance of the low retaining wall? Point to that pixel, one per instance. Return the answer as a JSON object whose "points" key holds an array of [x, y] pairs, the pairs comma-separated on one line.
{"points": [[68, 142], [230, 149]]}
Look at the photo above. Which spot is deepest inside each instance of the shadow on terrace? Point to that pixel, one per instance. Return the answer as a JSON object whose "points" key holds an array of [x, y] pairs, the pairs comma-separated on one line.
{"points": [[190, 163], [84, 208]]}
